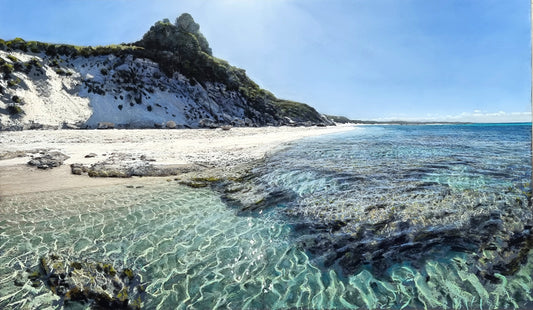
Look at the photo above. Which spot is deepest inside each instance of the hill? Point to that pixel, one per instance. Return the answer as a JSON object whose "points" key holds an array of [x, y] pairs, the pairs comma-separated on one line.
{"points": [[169, 78]]}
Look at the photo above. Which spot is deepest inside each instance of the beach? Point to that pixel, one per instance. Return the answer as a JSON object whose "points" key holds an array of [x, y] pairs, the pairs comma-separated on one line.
{"points": [[192, 149]]}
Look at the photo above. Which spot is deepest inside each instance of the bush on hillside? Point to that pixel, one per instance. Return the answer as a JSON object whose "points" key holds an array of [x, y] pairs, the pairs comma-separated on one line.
{"points": [[16, 99], [14, 82], [15, 110], [17, 44], [12, 58], [297, 111], [7, 68], [339, 119], [34, 63]]}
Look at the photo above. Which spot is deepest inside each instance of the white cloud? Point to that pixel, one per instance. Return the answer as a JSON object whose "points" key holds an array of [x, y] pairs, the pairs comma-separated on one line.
{"points": [[477, 116]]}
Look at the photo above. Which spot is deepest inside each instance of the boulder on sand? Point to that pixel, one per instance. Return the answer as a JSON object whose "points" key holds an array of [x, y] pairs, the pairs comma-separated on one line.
{"points": [[170, 125], [48, 160], [105, 125]]}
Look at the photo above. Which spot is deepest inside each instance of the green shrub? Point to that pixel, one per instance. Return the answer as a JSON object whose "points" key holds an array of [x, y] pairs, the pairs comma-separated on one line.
{"points": [[13, 82], [35, 62], [67, 50], [51, 50], [12, 58], [54, 63], [339, 119], [7, 68], [16, 99], [297, 111], [15, 110], [19, 66], [60, 71], [17, 44], [35, 47]]}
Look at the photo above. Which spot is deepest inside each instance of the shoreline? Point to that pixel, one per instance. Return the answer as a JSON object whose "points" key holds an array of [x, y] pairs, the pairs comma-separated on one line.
{"points": [[199, 149]]}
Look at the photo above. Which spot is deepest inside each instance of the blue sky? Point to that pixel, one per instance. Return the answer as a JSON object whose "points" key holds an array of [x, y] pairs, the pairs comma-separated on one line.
{"points": [[457, 60]]}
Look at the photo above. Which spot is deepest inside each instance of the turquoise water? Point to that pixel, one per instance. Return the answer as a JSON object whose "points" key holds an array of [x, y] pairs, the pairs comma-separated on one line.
{"points": [[195, 251]]}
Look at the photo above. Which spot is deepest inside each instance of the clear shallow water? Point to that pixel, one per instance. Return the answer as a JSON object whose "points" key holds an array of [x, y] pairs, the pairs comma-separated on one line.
{"points": [[408, 176], [196, 252]]}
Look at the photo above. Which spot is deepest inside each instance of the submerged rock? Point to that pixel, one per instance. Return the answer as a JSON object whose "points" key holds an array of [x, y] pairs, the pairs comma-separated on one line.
{"points": [[95, 283], [378, 232]]}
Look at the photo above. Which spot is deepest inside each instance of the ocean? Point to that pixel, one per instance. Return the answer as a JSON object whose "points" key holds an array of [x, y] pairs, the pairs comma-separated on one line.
{"points": [[411, 216]]}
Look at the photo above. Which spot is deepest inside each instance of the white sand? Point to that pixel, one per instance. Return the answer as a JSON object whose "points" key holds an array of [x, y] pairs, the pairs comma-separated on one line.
{"points": [[205, 147]]}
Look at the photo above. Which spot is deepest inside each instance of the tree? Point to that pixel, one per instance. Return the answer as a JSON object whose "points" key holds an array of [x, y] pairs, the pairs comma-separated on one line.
{"points": [[186, 23]]}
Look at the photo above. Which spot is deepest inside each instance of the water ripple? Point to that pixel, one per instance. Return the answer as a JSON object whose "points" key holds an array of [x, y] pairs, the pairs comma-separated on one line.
{"points": [[195, 252]]}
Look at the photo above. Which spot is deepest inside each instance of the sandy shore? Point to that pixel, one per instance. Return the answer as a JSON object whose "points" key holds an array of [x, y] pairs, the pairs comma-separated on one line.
{"points": [[200, 147]]}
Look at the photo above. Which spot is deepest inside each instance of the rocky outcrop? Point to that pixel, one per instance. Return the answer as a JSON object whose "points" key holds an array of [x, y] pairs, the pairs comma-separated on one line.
{"points": [[119, 165], [48, 160], [97, 284], [500, 238]]}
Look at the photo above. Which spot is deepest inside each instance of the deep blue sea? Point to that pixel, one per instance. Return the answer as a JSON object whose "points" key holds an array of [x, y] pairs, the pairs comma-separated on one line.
{"points": [[378, 217]]}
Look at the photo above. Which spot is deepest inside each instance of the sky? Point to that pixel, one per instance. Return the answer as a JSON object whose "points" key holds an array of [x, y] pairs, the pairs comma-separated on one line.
{"points": [[431, 60]]}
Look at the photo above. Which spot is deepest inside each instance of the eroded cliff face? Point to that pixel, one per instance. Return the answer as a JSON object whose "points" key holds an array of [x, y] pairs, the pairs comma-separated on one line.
{"points": [[167, 79], [126, 91]]}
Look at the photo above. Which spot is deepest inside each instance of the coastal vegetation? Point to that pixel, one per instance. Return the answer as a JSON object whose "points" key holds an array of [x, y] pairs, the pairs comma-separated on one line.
{"points": [[15, 110], [297, 111]]}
